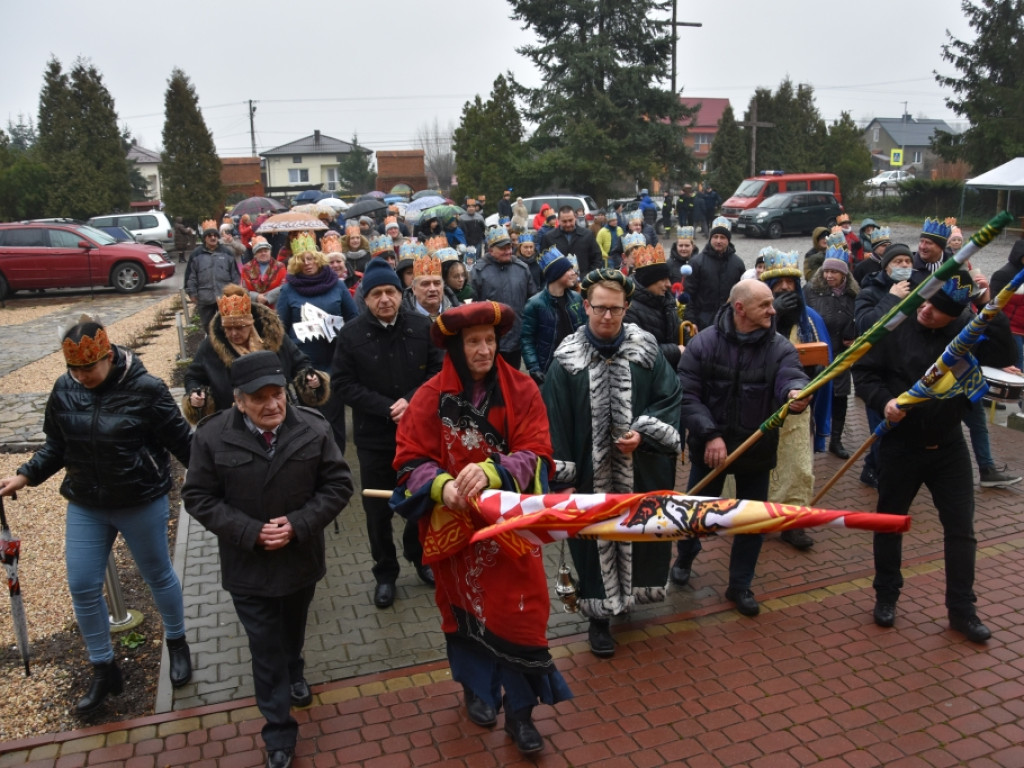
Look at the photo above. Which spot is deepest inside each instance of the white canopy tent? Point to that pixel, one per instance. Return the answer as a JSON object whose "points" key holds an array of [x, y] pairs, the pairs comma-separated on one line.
{"points": [[1008, 176]]}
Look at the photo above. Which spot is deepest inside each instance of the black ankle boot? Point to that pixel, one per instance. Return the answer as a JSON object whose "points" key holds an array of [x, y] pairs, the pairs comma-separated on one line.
{"points": [[106, 679], [180, 661], [519, 725]]}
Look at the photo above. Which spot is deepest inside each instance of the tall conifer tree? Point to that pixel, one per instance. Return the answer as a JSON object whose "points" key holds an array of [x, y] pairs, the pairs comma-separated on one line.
{"points": [[189, 166]]}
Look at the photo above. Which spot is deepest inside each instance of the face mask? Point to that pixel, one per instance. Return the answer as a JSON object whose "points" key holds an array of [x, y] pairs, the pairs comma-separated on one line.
{"points": [[847, 228], [899, 274]]}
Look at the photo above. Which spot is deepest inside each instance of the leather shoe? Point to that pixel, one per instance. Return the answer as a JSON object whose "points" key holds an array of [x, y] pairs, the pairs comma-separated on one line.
{"points": [[970, 627], [884, 613], [106, 679], [426, 574], [180, 661], [479, 711], [524, 733], [601, 641], [745, 601], [680, 573], [384, 594], [836, 447], [279, 758], [300, 694], [797, 538], [869, 477]]}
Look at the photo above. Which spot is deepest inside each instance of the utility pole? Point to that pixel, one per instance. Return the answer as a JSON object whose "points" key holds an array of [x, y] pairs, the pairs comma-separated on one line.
{"points": [[252, 126], [675, 39], [753, 125]]}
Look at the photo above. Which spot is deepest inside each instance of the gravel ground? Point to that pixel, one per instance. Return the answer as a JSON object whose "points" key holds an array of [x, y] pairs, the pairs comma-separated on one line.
{"points": [[60, 670]]}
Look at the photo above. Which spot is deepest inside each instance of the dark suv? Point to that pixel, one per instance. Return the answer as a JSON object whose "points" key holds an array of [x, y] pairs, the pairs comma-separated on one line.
{"points": [[57, 254], [789, 212]]}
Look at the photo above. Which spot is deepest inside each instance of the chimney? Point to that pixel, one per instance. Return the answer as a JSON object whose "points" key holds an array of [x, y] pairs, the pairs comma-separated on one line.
{"points": [[316, 138]]}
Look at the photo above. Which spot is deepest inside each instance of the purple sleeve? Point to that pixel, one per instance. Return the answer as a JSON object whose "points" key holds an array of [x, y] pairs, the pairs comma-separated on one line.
{"points": [[423, 475], [521, 465]]}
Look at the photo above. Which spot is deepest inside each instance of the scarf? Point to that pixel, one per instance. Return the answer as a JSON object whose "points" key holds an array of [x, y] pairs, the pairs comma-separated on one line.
{"points": [[260, 279], [605, 347], [313, 285]]}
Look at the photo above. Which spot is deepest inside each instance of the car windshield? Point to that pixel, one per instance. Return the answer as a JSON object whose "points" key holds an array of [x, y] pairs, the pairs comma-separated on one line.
{"points": [[97, 235], [776, 201], [749, 188]]}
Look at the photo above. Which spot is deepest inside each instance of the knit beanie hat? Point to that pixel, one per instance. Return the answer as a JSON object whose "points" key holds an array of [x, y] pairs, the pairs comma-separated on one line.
{"points": [[378, 272]]}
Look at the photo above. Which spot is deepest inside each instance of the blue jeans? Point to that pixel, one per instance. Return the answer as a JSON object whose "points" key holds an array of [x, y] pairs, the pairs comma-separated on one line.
{"points": [[977, 424], [89, 536]]}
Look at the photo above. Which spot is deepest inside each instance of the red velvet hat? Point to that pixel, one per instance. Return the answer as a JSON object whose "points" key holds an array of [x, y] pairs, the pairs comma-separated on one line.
{"points": [[453, 321]]}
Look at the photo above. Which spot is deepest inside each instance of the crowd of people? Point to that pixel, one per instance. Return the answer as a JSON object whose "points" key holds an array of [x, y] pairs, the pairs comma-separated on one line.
{"points": [[577, 357]]}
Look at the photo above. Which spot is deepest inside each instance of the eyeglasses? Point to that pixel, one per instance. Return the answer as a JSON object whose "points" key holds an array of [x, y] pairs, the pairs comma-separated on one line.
{"points": [[602, 311]]}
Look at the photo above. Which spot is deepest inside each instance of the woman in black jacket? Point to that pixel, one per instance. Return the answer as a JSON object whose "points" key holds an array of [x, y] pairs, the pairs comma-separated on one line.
{"points": [[112, 427]]}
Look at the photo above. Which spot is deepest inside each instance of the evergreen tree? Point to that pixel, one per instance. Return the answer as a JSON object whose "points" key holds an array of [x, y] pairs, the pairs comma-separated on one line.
{"points": [[356, 173], [601, 114], [847, 157], [990, 89], [79, 143], [727, 161], [796, 143], [22, 134], [24, 180], [189, 166], [488, 143]]}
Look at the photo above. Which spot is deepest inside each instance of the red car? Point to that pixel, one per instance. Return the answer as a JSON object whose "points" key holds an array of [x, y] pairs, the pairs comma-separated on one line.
{"points": [[55, 254]]}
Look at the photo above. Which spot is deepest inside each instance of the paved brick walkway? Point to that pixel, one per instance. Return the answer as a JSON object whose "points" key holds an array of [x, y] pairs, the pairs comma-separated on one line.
{"points": [[811, 681]]}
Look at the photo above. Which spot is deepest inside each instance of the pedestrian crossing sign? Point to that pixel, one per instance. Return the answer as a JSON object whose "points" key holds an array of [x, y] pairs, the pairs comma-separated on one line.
{"points": [[896, 157]]}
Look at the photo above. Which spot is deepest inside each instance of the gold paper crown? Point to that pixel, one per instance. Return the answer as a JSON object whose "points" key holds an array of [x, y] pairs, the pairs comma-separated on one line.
{"points": [[352, 228], [303, 243], [390, 221], [427, 265], [87, 351], [209, 224], [234, 307], [649, 255], [436, 243], [331, 245]]}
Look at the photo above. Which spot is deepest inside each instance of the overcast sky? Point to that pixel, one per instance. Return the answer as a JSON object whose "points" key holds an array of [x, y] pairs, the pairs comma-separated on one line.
{"points": [[383, 70]]}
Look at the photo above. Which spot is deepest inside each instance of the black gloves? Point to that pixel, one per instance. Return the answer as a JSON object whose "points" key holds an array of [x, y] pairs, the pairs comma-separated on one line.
{"points": [[537, 376], [786, 302]]}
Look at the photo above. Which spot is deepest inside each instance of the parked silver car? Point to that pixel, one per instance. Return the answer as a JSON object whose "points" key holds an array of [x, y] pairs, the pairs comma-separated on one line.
{"points": [[148, 227], [888, 179]]}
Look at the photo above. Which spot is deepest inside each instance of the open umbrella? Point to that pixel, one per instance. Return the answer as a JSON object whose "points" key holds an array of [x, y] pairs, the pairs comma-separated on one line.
{"points": [[254, 206], [426, 193], [289, 221], [375, 195], [309, 196], [444, 212], [334, 203], [402, 189], [10, 548], [365, 208], [315, 210], [414, 209]]}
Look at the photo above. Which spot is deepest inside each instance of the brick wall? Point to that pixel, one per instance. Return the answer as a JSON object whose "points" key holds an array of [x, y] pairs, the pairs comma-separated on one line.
{"points": [[241, 175], [401, 166]]}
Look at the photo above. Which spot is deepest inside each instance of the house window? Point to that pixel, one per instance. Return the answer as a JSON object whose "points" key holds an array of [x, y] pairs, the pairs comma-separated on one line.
{"points": [[917, 157], [703, 139], [297, 159], [332, 179], [874, 135], [298, 175]]}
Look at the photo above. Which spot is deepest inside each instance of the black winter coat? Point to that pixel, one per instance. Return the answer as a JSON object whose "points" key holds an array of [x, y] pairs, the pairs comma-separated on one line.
{"points": [[233, 487], [374, 366], [580, 243], [658, 316], [873, 301], [899, 360], [731, 385], [837, 312], [114, 442], [713, 277]]}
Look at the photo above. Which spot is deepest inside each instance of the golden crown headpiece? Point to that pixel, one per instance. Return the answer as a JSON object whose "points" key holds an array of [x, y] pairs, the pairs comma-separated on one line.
{"points": [[210, 224], [427, 265], [234, 307], [331, 245], [435, 244], [649, 255], [352, 228], [303, 243], [87, 351]]}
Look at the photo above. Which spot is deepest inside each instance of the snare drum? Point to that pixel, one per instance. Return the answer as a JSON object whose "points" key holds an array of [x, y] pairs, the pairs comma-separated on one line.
{"points": [[1003, 385]]}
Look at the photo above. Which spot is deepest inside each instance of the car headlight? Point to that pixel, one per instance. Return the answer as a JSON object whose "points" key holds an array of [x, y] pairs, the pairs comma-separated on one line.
{"points": [[761, 216], [156, 258]]}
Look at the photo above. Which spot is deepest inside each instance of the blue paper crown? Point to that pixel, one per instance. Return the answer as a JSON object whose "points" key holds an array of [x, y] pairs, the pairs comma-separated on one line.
{"points": [[526, 237], [722, 222], [407, 250], [636, 213], [419, 249], [959, 288], [838, 254], [551, 255], [497, 235], [381, 243], [938, 228], [880, 235], [686, 232], [632, 240], [836, 239], [781, 264], [446, 254]]}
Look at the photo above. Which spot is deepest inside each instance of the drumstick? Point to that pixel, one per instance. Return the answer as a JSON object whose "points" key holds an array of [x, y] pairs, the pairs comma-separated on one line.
{"points": [[377, 493]]}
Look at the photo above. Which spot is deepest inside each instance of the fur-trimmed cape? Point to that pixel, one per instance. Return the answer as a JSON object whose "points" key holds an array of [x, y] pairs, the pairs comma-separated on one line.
{"points": [[210, 370]]}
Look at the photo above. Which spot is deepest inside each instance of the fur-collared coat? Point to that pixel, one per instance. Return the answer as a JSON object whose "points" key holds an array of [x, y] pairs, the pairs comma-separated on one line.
{"points": [[210, 370], [588, 397]]}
